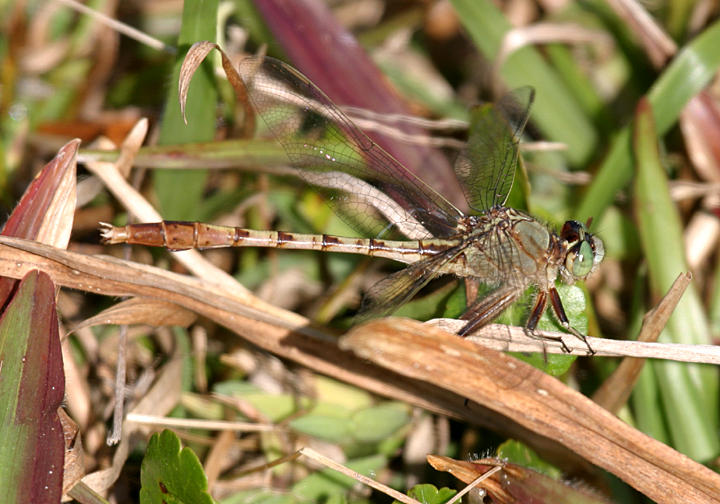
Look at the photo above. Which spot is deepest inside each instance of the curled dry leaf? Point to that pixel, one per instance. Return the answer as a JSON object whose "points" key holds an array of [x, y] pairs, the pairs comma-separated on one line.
{"points": [[196, 54], [140, 310], [514, 483]]}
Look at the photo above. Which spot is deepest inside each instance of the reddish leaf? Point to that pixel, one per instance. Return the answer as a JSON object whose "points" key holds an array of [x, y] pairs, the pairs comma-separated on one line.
{"points": [[45, 211], [333, 59]]}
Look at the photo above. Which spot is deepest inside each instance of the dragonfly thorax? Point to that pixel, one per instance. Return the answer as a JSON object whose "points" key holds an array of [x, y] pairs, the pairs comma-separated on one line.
{"points": [[503, 246]]}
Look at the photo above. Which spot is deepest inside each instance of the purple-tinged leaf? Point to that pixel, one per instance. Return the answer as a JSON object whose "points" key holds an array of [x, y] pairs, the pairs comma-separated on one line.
{"points": [[45, 212], [331, 57]]}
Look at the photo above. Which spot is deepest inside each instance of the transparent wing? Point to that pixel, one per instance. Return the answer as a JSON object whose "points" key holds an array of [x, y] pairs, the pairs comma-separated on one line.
{"points": [[486, 169], [332, 153], [391, 292]]}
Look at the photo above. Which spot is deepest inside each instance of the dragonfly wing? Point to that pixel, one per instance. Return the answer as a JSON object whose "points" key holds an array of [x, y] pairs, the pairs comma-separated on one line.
{"points": [[332, 153], [393, 291], [488, 308], [487, 168]]}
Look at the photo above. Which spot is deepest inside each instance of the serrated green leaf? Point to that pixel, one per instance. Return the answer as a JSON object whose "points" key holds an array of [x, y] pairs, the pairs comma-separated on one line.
{"points": [[429, 494], [171, 475]]}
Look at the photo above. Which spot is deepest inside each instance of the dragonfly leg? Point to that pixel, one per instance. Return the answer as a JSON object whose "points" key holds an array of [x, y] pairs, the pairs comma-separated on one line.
{"points": [[534, 318], [560, 313]]}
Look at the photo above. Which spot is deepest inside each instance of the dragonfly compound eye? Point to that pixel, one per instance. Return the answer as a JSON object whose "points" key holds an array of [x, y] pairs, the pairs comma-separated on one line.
{"points": [[583, 262]]}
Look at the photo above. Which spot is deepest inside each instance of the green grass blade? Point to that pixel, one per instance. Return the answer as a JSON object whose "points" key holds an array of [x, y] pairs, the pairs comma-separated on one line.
{"points": [[555, 112], [688, 392], [691, 70], [180, 192]]}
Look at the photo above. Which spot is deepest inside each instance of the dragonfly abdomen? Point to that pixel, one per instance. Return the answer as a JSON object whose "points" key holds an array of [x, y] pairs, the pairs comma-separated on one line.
{"points": [[181, 235]]}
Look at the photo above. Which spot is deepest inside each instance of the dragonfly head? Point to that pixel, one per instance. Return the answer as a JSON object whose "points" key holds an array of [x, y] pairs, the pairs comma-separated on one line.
{"points": [[584, 250]]}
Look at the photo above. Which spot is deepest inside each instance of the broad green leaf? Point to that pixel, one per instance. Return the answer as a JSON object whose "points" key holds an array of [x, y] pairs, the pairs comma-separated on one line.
{"points": [[430, 306], [574, 302], [275, 407], [342, 394]]}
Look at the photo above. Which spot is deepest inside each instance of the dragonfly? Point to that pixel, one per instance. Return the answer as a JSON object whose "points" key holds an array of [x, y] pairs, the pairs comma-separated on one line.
{"points": [[504, 248]]}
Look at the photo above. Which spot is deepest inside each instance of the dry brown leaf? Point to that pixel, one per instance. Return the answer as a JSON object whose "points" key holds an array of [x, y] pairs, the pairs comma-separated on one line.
{"points": [[658, 45], [215, 462], [515, 483], [73, 469], [131, 145], [536, 401], [139, 310], [700, 125], [278, 331], [57, 223], [46, 210]]}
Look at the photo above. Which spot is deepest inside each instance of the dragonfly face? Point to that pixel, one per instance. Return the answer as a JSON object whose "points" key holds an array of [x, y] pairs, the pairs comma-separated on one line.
{"points": [[584, 254]]}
